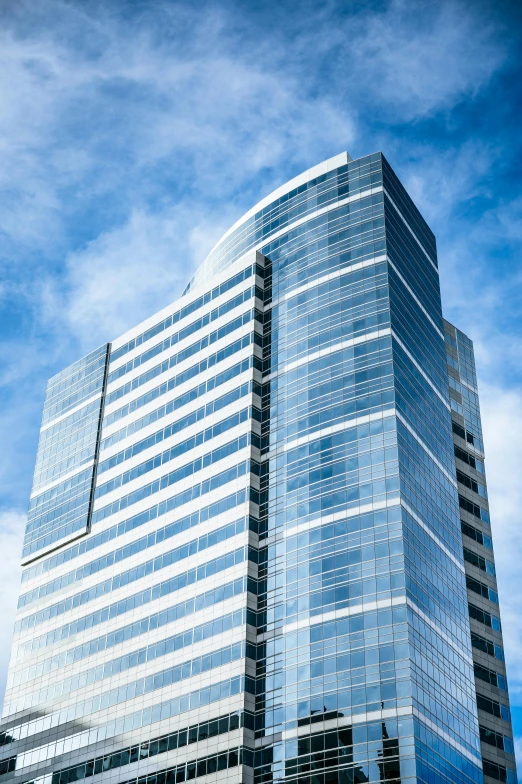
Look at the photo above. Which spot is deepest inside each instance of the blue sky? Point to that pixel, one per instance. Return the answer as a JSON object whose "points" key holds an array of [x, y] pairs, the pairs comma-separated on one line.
{"points": [[133, 133]]}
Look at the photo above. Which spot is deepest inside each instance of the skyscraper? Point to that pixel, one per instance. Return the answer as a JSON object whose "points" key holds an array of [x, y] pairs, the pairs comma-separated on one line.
{"points": [[258, 545]]}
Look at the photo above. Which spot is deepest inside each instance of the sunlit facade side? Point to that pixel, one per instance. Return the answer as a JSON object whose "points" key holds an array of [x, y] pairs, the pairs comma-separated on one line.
{"points": [[244, 553]]}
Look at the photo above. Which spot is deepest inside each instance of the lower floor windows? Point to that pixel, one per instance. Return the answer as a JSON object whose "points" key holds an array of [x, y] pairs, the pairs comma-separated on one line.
{"points": [[175, 740]]}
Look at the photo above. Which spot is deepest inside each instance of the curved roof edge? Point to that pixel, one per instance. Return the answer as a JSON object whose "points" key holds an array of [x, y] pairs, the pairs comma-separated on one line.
{"points": [[315, 171]]}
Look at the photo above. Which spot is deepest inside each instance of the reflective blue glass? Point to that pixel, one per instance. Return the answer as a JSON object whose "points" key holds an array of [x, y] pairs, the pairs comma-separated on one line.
{"points": [[64, 510]]}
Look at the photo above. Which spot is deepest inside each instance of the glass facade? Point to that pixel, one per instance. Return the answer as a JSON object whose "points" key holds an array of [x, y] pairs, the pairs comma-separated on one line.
{"points": [[258, 545], [66, 457]]}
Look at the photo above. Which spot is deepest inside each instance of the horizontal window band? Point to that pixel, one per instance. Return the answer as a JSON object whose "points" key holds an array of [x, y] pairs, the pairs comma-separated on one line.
{"points": [[183, 312], [175, 452], [186, 421], [162, 534], [128, 632], [96, 540], [202, 488], [124, 663], [142, 718], [181, 356], [190, 329], [117, 608], [147, 684], [132, 575], [148, 749]]}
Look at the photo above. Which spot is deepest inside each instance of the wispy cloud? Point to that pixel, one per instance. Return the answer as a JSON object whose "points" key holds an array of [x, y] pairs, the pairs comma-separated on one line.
{"points": [[425, 57], [124, 275]]}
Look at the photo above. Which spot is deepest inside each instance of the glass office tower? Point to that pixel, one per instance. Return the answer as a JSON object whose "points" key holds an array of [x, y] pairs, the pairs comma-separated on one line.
{"points": [[244, 551]]}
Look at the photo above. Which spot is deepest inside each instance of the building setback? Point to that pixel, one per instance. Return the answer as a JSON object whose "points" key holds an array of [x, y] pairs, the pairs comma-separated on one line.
{"points": [[496, 734], [258, 544]]}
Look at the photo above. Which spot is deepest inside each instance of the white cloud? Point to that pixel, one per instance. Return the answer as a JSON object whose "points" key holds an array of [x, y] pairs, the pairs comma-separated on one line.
{"points": [[206, 106], [443, 182], [12, 526], [122, 277], [205, 93], [99, 120], [426, 57]]}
